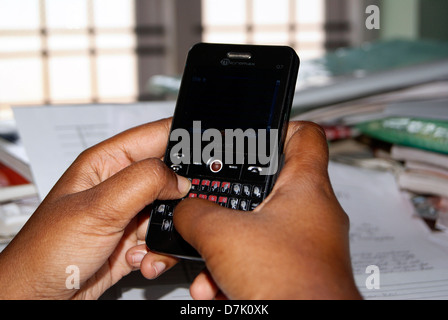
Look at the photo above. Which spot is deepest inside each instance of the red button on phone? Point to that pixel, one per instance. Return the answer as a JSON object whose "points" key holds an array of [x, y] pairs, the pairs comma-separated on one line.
{"points": [[216, 166]]}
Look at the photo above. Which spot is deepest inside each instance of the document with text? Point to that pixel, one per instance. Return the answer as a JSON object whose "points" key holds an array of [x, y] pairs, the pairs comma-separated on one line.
{"points": [[385, 233], [53, 136]]}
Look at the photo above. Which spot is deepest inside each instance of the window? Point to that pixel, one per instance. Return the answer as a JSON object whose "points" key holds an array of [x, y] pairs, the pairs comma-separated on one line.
{"points": [[89, 51], [298, 23], [71, 51]]}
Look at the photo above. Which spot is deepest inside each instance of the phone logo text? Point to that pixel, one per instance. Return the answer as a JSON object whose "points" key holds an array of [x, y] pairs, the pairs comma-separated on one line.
{"points": [[228, 62]]}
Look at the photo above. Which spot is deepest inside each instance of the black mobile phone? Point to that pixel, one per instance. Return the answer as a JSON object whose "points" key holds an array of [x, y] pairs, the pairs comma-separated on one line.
{"points": [[227, 132]]}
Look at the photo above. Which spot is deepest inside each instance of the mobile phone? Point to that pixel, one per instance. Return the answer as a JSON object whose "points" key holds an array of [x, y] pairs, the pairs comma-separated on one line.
{"points": [[227, 132]]}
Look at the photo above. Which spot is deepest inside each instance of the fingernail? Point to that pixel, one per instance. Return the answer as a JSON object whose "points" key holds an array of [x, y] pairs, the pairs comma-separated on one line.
{"points": [[183, 184], [137, 257], [158, 267]]}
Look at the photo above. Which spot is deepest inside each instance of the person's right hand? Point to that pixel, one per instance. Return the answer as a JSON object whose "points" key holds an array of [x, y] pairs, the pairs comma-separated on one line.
{"points": [[294, 245]]}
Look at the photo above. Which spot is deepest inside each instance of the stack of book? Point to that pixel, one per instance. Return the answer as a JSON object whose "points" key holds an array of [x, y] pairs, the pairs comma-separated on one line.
{"points": [[18, 194], [425, 175]]}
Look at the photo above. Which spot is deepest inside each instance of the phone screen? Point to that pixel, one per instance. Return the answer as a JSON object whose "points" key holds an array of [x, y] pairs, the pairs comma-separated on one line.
{"points": [[229, 98]]}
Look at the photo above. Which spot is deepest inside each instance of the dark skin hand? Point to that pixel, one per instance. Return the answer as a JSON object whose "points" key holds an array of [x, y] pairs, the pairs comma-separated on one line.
{"points": [[293, 246], [91, 219]]}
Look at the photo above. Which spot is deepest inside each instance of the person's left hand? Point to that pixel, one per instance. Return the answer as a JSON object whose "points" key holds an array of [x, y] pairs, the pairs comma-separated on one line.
{"points": [[90, 220]]}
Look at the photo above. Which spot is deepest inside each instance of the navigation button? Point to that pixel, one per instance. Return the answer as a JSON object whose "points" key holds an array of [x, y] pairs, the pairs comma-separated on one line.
{"points": [[215, 165]]}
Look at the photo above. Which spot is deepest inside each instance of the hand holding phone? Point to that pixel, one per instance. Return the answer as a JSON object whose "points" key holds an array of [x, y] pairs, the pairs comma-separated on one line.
{"points": [[294, 246], [227, 132]]}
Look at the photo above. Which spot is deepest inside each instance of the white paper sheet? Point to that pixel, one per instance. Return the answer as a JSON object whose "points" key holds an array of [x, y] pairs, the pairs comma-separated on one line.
{"points": [[385, 233], [53, 136]]}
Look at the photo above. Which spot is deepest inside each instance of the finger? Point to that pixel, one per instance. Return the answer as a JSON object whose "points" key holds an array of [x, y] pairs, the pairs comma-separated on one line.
{"points": [[135, 255], [203, 224], [151, 264], [203, 287], [141, 142], [304, 179], [306, 161], [122, 196], [220, 236], [306, 147], [103, 160], [142, 223]]}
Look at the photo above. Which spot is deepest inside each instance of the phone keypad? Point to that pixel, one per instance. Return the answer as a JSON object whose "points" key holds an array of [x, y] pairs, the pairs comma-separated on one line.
{"points": [[245, 197], [232, 195]]}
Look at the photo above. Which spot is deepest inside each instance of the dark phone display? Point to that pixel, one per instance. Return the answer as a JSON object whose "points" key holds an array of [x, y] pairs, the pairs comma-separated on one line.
{"points": [[231, 98]]}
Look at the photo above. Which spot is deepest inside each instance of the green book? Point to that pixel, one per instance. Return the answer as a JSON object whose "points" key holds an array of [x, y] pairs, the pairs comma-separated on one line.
{"points": [[425, 134]]}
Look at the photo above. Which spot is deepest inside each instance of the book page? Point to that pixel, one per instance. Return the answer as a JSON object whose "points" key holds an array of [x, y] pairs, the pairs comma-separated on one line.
{"points": [[385, 233], [53, 136]]}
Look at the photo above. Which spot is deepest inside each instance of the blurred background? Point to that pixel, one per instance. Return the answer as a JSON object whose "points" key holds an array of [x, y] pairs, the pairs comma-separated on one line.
{"points": [[373, 74], [90, 51]]}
